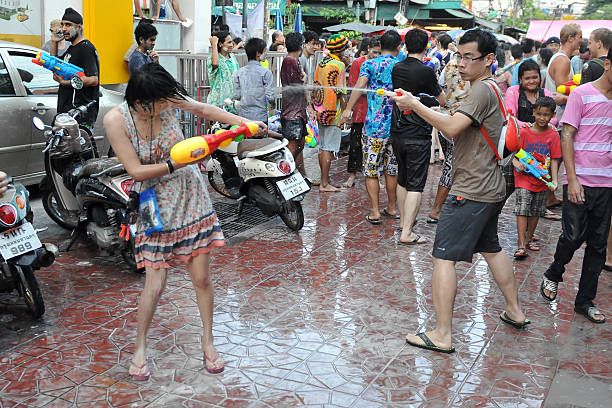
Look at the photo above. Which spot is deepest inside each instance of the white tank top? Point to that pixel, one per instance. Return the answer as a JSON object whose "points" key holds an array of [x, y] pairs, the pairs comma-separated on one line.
{"points": [[550, 84]]}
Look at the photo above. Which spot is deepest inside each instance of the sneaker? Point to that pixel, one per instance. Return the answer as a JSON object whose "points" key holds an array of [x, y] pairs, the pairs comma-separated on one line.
{"points": [[187, 23]]}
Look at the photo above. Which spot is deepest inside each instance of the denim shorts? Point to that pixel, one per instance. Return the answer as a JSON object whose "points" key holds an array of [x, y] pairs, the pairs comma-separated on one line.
{"points": [[293, 129], [329, 138]]}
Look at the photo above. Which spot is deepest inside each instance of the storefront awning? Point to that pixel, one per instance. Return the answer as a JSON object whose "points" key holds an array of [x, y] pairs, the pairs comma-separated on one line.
{"points": [[459, 13]]}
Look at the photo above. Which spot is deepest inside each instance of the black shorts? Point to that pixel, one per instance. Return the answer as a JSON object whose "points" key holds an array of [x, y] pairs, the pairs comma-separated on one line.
{"points": [[465, 228], [293, 129], [412, 164]]}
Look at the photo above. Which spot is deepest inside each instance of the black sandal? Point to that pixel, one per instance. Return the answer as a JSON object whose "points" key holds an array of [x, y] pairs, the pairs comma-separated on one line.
{"points": [[590, 313], [518, 325], [429, 345]]}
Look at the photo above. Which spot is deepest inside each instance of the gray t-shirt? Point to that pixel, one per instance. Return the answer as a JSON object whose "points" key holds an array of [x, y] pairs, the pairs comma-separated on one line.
{"points": [[137, 60], [476, 175], [305, 63]]}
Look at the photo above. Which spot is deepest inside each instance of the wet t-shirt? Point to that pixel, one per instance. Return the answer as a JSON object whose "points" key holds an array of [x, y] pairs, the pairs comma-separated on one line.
{"points": [[476, 175], [543, 146]]}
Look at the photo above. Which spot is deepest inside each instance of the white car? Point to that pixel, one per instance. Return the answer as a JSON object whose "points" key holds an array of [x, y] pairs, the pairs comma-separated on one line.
{"points": [[28, 90]]}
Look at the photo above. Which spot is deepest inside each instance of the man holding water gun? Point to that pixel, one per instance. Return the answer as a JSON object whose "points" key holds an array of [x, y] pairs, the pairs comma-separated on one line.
{"points": [[83, 54]]}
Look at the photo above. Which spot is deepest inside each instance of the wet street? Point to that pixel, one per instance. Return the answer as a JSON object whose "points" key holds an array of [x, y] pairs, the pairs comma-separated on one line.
{"points": [[314, 318]]}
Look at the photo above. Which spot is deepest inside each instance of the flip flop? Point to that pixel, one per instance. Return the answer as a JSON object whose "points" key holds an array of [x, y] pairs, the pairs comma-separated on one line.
{"points": [[520, 253], [589, 313], [555, 205], [386, 213], [413, 242], [607, 268], [373, 221], [429, 345], [431, 220], [216, 370], [549, 215], [533, 246], [518, 325], [141, 377]]}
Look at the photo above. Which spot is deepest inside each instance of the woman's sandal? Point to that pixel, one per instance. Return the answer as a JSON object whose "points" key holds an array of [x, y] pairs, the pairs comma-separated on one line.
{"points": [[214, 370], [520, 253], [533, 246], [551, 286], [141, 377]]}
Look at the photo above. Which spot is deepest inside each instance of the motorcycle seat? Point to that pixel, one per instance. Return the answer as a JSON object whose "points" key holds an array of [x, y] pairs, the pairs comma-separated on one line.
{"points": [[93, 166], [250, 145]]}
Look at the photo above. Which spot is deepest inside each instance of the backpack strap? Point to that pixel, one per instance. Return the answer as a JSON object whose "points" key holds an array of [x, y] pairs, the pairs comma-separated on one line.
{"points": [[482, 129]]}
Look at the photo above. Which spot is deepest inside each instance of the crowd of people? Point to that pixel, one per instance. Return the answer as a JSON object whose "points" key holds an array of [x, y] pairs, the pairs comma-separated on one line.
{"points": [[410, 95]]}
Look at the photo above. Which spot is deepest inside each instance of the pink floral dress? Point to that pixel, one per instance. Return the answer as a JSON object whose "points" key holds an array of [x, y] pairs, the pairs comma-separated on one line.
{"points": [[190, 223]]}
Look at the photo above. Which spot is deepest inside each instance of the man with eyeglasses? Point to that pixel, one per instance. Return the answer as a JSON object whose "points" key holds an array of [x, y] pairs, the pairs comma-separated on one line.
{"points": [[468, 222]]}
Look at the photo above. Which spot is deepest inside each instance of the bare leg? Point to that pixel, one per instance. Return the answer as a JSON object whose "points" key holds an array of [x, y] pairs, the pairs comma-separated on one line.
{"points": [[532, 223], [501, 267], [373, 189], [609, 254], [325, 158], [444, 286], [412, 204], [199, 272], [441, 195], [155, 282], [401, 204], [177, 10], [296, 147], [521, 229], [391, 183]]}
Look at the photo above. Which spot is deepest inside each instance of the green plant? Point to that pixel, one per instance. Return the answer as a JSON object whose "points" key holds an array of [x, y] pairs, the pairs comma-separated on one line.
{"points": [[345, 16], [290, 14], [598, 10]]}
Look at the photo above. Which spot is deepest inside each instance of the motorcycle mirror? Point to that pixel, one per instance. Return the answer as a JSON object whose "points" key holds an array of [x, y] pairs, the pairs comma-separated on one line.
{"points": [[38, 123], [76, 82]]}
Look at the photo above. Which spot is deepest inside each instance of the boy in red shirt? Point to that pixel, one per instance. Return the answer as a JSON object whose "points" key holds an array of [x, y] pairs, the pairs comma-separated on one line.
{"points": [[542, 142]]}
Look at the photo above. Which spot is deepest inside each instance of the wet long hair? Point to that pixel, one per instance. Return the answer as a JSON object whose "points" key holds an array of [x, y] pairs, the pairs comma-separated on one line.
{"points": [[152, 83]]}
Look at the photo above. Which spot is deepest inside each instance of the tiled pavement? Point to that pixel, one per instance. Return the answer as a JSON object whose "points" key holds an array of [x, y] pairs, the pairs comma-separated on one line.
{"points": [[315, 318]]}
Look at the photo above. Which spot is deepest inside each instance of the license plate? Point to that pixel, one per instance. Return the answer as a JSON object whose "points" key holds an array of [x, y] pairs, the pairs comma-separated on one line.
{"points": [[18, 240], [292, 186]]}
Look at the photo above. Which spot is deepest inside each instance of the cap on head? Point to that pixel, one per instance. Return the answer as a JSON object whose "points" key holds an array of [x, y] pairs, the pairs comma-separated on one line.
{"points": [[73, 16], [337, 43], [553, 40]]}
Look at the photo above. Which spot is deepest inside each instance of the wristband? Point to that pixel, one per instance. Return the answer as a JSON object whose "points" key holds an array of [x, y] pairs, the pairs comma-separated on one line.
{"points": [[170, 167]]}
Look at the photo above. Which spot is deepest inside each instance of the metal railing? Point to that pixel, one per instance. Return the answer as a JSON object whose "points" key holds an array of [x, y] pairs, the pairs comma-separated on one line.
{"points": [[191, 73]]}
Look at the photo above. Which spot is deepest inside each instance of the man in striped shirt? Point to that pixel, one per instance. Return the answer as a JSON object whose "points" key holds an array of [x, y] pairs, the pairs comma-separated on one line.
{"points": [[586, 143]]}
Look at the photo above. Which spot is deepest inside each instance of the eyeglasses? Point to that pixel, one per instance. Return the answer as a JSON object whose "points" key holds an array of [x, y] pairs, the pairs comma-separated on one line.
{"points": [[467, 60]]}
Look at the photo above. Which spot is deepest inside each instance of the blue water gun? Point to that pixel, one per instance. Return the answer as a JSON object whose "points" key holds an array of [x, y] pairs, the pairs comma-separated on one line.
{"points": [[64, 69], [534, 167]]}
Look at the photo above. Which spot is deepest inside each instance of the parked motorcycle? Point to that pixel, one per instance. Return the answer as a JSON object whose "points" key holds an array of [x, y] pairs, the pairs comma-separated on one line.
{"points": [[81, 191], [21, 252], [261, 172]]}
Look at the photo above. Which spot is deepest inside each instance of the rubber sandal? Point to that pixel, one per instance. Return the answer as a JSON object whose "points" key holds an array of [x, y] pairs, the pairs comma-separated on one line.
{"points": [[549, 285], [533, 246], [413, 242], [555, 205], [518, 325], [386, 213], [373, 221], [590, 313], [141, 377], [431, 220], [607, 268], [213, 370], [429, 345], [520, 253], [549, 215]]}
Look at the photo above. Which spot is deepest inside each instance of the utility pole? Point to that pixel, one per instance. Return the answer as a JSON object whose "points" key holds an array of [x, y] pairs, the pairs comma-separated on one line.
{"points": [[266, 19], [245, 11]]}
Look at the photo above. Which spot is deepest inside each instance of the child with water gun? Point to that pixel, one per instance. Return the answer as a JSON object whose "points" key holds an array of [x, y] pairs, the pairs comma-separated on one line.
{"points": [[536, 166]]}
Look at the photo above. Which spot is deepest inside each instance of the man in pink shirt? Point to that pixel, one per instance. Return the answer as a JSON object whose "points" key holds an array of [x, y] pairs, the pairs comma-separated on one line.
{"points": [[586, 142]]}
